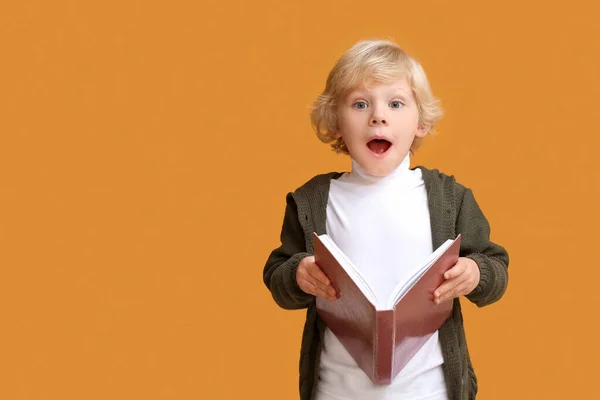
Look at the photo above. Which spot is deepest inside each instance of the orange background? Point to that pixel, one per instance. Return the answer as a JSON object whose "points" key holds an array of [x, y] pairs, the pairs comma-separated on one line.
{"points": [[146, 149]]}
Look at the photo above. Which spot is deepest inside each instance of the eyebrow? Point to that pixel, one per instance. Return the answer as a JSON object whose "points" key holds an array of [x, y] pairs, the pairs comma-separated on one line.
{"points": [[402, 91], [402, 94], [363, 90], [396, 93]]}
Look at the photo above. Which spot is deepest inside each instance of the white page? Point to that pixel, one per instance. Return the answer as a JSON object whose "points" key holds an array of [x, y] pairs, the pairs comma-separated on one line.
{"points": [[351, 270], [402, 289]]}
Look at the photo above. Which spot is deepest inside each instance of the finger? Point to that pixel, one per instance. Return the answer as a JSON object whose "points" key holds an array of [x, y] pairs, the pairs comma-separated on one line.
{"points": [[318, 291], [311, 287], [324, 287], [318, 277], [458, 269], [457, 291], [318, 274], [446, 287]]}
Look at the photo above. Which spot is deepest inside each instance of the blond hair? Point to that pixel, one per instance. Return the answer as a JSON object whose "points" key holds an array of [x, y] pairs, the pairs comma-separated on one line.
{"points": [[367, 61]]}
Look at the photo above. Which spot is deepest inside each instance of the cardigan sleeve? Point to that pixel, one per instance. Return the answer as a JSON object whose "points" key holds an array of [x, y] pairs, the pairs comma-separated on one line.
{"points": [[279, 274], [491, 258]]}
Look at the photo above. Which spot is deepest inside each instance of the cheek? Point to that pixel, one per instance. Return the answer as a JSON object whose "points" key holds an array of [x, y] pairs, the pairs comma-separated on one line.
{"points": [[342, 119], [351, 123], [409, 125], [345, 128]]}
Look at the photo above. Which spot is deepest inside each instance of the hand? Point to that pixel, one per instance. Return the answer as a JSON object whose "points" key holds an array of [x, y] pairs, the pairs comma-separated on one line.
{"points": [[461, 280], [313, 280]]}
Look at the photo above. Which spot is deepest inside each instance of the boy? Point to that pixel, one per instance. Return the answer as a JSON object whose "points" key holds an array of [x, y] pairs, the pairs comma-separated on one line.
{"points": [[377, 107]]}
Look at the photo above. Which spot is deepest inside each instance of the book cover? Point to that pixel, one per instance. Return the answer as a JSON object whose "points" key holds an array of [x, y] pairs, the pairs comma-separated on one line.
{"points": [[382, 341]]}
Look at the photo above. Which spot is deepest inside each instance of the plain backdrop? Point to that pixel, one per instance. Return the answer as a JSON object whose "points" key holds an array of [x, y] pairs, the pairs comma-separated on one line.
{"points": [[146, 149]]}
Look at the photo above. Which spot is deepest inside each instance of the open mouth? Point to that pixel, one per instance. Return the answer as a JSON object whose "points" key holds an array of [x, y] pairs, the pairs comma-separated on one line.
{"points": [[379, 146]]}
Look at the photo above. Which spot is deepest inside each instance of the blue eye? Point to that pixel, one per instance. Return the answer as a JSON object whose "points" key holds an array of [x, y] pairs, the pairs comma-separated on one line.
{"points": [[360, 105], [396, 104]]}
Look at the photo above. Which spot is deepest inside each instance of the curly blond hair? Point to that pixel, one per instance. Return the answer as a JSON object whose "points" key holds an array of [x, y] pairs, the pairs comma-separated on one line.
{"points": [[372, 61]]}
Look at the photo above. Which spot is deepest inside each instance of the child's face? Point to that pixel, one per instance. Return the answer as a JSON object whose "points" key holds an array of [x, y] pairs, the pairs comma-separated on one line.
{"points": [[378, 125]]}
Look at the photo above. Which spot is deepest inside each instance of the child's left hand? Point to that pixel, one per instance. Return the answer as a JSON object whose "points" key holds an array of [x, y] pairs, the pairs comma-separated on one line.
{"points": [[460, 280]]}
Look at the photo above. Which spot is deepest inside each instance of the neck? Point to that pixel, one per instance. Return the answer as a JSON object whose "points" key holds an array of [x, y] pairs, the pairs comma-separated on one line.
{"points": [[397, 173]]}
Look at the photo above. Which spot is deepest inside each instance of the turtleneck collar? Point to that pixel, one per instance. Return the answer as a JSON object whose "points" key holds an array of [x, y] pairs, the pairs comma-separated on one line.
{"points": [[399, 172]]}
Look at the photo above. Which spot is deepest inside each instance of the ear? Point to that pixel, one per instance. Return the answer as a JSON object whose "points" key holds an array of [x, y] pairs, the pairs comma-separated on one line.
{"points": [[337, 134], [422, 131]]}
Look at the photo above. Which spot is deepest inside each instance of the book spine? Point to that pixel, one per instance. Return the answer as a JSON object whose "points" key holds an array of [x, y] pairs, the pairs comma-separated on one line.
{"points": [[383, 346]]}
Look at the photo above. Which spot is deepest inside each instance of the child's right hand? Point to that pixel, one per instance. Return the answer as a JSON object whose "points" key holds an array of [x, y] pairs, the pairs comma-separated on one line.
{"points": [[313, 280]]}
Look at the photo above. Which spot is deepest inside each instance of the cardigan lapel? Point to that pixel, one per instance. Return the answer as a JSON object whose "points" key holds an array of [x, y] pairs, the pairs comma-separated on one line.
{"points": [[435, 201]]}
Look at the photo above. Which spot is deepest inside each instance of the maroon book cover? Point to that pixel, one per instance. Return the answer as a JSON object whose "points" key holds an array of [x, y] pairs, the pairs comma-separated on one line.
{"points": [[383, 341]]}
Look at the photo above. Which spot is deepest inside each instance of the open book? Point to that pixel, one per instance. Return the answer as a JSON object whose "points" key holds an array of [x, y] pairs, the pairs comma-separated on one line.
{"points": [[382, 335]]}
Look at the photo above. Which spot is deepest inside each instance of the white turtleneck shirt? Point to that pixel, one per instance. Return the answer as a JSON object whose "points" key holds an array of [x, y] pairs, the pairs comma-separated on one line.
{"points": [[382, 224]]}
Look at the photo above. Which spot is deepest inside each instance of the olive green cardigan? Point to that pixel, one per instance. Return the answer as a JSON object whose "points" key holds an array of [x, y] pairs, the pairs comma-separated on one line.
{"points": [[452, 209]]}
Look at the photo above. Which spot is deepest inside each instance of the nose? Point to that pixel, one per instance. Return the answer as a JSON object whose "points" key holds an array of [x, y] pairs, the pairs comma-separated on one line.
{"points": [[377, 118], [378, 121]]}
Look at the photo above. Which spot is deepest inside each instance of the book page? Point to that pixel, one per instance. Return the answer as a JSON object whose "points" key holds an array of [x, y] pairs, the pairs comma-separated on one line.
{"points": [[351, 270], [401, 289]]}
